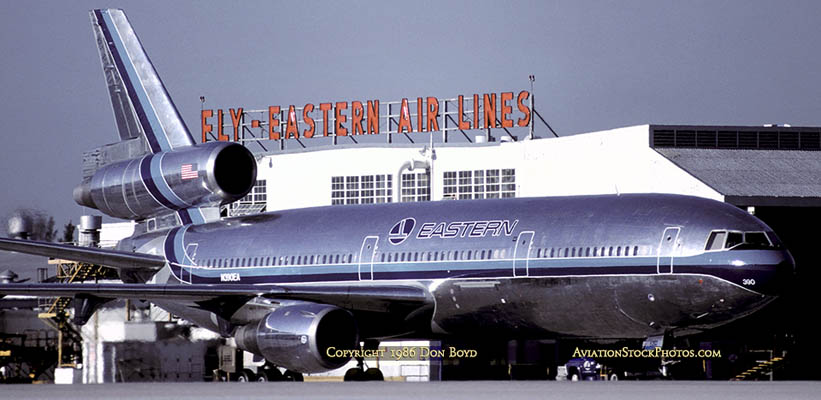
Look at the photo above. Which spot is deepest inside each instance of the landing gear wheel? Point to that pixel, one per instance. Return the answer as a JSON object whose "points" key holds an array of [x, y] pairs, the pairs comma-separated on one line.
{"points": [[354, 375], [245, 376], [373, 374], [574, 377], [271, 375], [292, 376], [614, 377]]}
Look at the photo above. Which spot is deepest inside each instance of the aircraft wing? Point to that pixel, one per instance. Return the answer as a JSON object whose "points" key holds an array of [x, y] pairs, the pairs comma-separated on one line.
{"points": [[378, 298], [109, 258]]}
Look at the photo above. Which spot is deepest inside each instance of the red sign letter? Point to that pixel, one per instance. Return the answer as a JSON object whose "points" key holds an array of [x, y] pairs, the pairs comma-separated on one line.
{"points": [[357, 112], [291, 129], [373, 117], [462, 123], [523, 108], [489, 110], [506, 109], [340, 118], [206, 127], [220, 136], [325, 107], [309, 133], [404, 118], [273, 122], [235, 119], [433, 114]]}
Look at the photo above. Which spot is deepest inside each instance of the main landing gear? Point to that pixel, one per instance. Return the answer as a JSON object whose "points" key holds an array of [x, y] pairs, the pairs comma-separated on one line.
{"points": [[268, 373], [359, 373]]}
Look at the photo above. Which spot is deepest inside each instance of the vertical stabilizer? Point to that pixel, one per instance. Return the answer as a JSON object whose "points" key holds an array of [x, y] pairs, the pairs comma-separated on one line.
{"points": [[140, 101]]}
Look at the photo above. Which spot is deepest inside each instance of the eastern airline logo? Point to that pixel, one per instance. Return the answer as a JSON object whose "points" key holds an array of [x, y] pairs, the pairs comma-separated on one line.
{"points": [[401, 231]]}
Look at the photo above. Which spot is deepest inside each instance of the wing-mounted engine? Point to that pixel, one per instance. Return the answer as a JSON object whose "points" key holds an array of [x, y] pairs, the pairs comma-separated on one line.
{"points": [[205, 175], [298, 336]]}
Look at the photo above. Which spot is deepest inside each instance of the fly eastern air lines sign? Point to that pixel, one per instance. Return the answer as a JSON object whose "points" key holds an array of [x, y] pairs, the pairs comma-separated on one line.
{"points": [[343, 118]]}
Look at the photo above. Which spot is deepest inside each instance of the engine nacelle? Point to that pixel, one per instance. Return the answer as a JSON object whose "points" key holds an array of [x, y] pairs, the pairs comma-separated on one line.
{"points": [[298, 337], [205, 175]]}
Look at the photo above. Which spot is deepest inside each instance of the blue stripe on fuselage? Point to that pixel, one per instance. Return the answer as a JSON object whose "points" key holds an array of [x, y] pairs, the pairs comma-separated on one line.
{"points": [[718, 264]]}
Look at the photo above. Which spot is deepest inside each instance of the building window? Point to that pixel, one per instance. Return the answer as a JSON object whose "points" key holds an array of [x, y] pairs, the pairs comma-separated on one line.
{"points": [[480, 184], [351, 190], [415, 186], [254, 202], [364, 189]]}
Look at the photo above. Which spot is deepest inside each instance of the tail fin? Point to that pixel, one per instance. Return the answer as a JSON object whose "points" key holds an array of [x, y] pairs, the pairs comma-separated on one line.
{"points": [[140, 101]]}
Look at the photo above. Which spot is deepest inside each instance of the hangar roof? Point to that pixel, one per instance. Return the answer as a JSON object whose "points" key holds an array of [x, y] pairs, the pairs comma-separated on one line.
{"points": [[750, 166]]}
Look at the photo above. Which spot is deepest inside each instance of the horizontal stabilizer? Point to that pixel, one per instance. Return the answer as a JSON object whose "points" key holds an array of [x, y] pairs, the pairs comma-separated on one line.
{"points": [[109, 258]]}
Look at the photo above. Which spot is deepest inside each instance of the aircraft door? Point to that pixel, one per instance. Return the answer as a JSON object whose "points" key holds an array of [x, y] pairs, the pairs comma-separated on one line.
{"points": [[366, 256], [190, 254], [521, 254], [666, 250]]}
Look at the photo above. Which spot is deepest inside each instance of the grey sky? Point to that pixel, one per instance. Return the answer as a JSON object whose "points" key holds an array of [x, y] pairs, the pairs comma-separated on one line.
{"points": [[598, 65]]}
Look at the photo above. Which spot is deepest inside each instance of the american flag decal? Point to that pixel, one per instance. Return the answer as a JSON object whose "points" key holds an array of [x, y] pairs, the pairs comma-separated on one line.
{"points": [[189, 171]]}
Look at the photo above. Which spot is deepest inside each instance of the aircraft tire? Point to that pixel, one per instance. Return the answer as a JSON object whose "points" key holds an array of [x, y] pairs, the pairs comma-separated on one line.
{"points": [[292, 376], [373, 374], [271, 375], [354, 375], [246, 376]]}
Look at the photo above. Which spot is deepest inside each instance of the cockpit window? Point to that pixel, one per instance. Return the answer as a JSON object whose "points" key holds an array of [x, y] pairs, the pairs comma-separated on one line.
{"points": [[734, 239], [716, 240], [774, 239], [756, 239], [729, 240]]}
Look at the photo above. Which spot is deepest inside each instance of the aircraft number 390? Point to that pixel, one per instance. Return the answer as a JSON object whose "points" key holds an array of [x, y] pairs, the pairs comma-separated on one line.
{"points": [[748, 282]]}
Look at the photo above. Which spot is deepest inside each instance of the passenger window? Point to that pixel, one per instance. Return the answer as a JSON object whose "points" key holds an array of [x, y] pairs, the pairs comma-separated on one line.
{"points": [[635, 250], [469, 253], [573, 252], [610, 252], [587, 252]]}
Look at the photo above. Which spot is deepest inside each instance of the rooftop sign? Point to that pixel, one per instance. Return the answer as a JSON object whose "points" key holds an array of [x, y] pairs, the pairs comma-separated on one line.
{"points": [[373, 117]]}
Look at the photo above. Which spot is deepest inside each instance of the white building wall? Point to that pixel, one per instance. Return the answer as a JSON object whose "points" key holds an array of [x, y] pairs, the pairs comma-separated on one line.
{"points": [[605, 162]]}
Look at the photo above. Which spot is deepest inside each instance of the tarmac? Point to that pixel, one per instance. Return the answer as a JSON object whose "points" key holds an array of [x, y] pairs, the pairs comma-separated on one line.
{"points": [[475, 390]]}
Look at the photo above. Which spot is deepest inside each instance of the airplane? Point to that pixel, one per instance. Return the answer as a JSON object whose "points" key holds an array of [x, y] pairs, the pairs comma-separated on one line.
{"points": [[291, 285]]}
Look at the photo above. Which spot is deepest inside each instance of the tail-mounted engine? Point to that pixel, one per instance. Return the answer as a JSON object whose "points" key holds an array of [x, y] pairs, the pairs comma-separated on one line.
{"points": [[299, 336], [205, 175]]}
